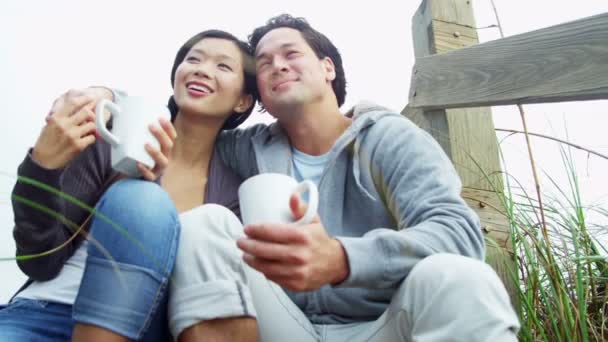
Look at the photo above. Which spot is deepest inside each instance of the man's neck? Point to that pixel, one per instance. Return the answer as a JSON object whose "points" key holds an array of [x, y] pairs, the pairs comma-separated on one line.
{"points": [[314, 129]]}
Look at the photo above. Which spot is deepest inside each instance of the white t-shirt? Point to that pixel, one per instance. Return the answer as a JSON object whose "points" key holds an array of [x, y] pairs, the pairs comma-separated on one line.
{"points": [[64, 287], [306, 166]]}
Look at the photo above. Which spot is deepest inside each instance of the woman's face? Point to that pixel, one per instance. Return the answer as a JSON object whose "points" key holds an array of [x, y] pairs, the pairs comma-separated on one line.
{"points": [[210, 80]]}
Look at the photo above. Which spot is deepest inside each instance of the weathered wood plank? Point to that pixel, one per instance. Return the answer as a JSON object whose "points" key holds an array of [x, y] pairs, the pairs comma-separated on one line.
{"points": [[566, 62], [451, 36], [492, 214], [466, 135], [494, 223]]}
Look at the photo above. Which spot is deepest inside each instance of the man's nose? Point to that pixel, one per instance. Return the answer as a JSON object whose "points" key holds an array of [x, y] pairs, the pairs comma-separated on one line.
{"points": [[279, 64]]}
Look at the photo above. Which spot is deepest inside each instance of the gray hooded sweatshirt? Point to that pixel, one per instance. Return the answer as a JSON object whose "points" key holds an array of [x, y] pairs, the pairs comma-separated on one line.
{"points": [[388, 193]]}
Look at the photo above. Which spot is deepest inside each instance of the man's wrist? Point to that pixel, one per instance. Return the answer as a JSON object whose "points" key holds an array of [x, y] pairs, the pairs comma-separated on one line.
{"points": [[342, 270]]}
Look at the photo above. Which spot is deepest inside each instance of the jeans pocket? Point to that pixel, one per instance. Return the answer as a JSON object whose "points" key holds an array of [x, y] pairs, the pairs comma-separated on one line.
{"points": [[23, 304], [15, 304], [39, 303]]}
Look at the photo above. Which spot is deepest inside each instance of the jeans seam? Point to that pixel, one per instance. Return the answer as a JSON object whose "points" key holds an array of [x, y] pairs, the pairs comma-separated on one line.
{"points": [[164, 282], [155, 305]]}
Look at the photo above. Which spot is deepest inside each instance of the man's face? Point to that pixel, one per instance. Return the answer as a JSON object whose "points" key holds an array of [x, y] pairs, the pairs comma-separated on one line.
{"points": [[289, 74]]}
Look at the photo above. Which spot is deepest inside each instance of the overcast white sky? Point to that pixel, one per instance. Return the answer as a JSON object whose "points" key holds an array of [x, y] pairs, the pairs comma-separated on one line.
{"points": [[47, 47]]}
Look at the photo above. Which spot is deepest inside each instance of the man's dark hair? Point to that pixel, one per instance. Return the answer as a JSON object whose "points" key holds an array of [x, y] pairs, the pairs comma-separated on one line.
{"points": [[319, 43], [250, 85]]}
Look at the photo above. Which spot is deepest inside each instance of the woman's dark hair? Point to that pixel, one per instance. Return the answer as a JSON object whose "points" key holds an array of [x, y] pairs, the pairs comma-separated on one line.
{"points": [[318, 42], [250, 86]]}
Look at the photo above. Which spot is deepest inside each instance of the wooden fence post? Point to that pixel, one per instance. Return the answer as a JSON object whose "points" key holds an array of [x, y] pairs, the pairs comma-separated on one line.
{"points": [[467, 135]]}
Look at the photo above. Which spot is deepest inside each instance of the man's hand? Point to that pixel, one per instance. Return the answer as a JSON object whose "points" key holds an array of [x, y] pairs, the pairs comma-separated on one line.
{"points": [[299, 258]]}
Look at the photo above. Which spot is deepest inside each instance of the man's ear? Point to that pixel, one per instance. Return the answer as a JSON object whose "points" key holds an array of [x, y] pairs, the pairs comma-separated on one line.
{"points": [[244, 103], [329, 68]]}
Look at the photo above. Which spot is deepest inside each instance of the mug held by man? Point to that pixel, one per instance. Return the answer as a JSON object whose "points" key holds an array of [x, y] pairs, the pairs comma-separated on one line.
{"points": [[265, 199]]}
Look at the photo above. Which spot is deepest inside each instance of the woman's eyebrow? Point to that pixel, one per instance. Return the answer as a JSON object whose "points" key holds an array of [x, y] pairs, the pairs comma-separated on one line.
{"points": [[221, 56]]}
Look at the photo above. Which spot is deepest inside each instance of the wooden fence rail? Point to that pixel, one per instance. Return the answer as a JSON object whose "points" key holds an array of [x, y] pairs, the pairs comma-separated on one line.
{"points": [[566, 62]]}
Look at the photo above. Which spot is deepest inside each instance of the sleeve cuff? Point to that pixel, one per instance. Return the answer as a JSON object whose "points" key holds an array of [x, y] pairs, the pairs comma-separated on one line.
{"points": [[366, 260], [31, 169], [33, 179]]}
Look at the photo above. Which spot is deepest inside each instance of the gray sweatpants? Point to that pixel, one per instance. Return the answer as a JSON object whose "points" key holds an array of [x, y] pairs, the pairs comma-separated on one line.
{"points": [[446, 297]]}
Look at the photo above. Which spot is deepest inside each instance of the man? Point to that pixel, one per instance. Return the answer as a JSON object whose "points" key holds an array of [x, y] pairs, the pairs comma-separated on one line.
{"points": [[394, 254]]}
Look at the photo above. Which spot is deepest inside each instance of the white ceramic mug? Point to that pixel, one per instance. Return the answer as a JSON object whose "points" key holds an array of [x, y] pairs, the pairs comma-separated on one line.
{"points": [[265, 199], [130, 120]]}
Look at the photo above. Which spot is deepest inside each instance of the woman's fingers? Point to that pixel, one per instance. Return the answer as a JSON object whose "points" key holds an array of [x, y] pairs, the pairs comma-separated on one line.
{"points": [[165, 136], [168, 128], [161, 161], [70, 103], [88, 128], [146, 172], [82, 116]]}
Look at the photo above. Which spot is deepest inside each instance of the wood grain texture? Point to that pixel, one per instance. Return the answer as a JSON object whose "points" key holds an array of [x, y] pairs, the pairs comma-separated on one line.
{"points": [[466, 135], [566, 62], [492, 214]]}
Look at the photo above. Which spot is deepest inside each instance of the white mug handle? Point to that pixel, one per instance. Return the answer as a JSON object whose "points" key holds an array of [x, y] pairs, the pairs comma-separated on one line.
{"points": [[100, 122], [313, 201]]}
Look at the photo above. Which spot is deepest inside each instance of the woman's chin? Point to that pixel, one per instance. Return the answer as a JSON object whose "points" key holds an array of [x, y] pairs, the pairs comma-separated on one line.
{"points": [[199, 114]]}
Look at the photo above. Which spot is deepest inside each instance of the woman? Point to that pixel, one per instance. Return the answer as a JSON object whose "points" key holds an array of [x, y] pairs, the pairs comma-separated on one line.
{"points": [[124, 298]]}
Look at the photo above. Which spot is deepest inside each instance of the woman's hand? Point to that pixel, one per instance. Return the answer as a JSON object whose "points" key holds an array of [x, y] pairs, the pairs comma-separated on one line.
{"points": [[69, 129], [166, 135]]}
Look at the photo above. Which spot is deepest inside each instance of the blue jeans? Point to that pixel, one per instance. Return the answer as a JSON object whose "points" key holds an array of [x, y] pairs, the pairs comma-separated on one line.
{"points": [[126, 293], [27, 320]]}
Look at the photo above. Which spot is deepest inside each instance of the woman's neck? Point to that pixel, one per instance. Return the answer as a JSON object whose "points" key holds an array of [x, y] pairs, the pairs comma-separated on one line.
{"points": [[195, 141]]}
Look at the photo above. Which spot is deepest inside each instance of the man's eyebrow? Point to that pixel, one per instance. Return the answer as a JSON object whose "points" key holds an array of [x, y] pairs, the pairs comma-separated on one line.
{"points": [[282, 47], [261, 55]]}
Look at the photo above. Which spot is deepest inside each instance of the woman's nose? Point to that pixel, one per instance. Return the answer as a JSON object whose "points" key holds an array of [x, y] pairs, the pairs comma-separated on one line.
{"points": [[203, 70]]}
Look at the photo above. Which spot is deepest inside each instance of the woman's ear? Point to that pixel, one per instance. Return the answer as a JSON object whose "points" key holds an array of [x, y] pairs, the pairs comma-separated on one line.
{"points": [[244, 103]]}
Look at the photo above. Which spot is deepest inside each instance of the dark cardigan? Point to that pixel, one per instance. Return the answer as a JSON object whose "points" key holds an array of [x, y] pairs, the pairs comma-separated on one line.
{"points": [[85, 178]]}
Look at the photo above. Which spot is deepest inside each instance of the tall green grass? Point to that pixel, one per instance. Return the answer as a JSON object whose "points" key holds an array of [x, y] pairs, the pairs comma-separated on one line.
{"points": [[561, 265]]}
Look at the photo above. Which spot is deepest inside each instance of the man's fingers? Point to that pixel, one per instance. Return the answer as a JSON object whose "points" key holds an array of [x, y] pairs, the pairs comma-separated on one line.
{"points": [[286, 276], [297, 205], [270, 268], [279, 233], [271, 251]]}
